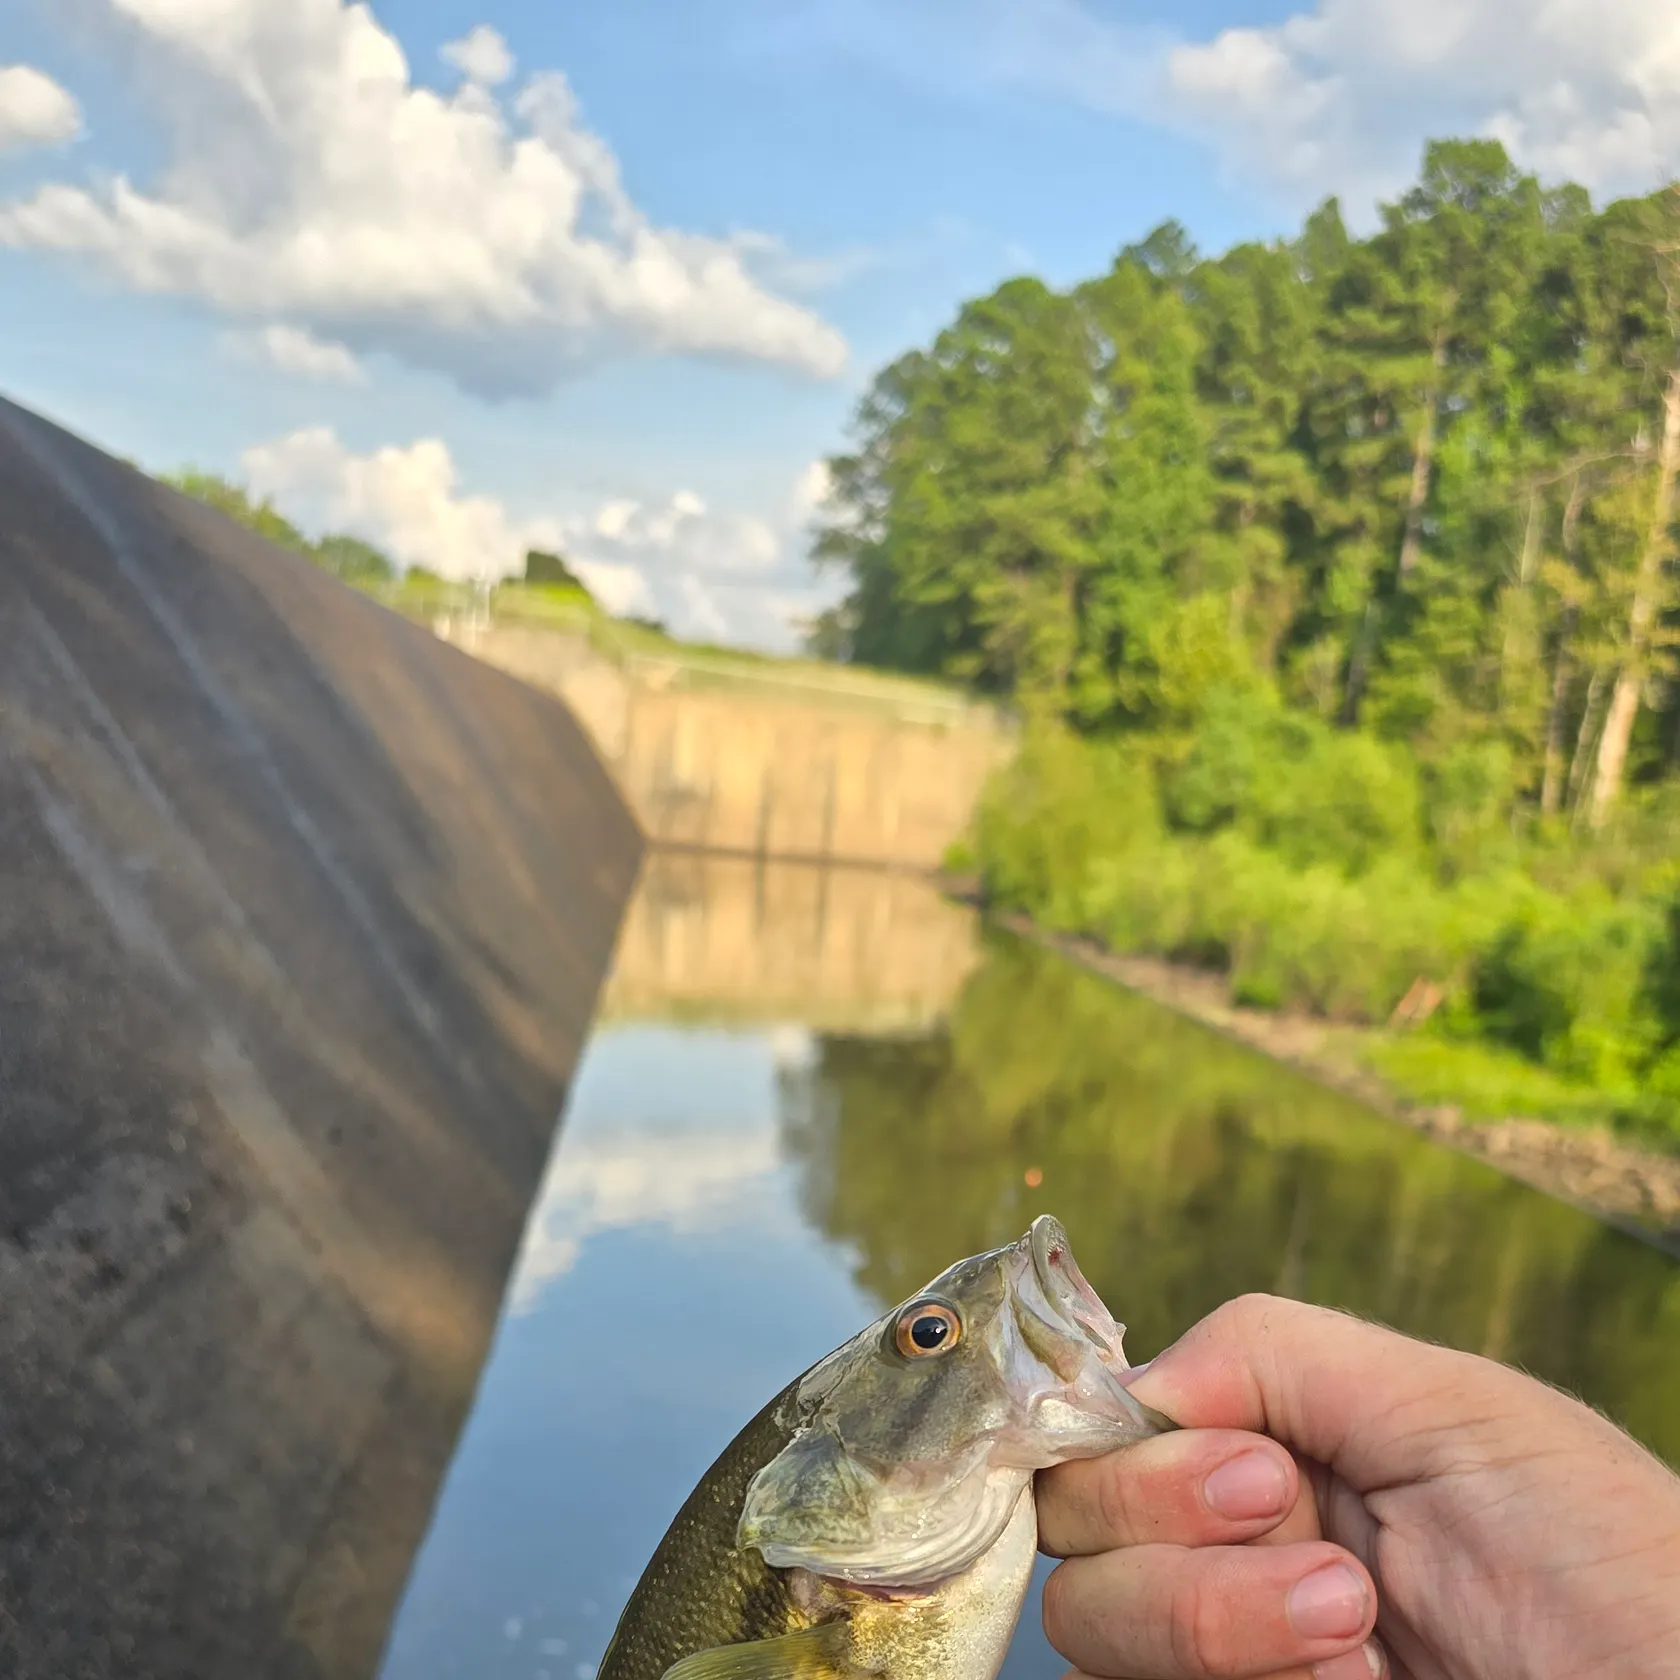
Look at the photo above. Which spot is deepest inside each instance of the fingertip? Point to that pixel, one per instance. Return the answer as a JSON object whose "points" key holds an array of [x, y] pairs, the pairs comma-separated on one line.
{"points": [[1368, 1662], [1166, 1610], [1334, 1601], [1257, 1483]]}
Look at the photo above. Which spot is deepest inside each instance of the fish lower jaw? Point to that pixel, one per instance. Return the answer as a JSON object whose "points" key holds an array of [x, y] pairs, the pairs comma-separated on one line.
{"points": [[816, 1594]]}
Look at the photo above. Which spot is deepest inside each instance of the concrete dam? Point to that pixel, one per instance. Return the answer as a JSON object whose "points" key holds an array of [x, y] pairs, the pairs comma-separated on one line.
{"points": [[303, 919], [836, 767]]}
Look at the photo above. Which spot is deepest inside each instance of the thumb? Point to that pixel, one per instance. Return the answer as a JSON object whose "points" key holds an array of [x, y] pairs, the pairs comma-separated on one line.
{"points": [[1372, 1404]]}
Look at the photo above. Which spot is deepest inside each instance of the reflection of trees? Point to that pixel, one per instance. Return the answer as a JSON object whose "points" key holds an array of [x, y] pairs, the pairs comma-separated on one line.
{"points": [[1188, 1169]]}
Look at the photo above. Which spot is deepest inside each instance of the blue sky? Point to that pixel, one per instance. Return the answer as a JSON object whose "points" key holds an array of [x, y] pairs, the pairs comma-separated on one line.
{"points": [[467, 274]]}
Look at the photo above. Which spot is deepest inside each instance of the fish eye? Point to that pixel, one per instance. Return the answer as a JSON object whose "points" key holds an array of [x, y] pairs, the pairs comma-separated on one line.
{"points": [[927, 1327]]}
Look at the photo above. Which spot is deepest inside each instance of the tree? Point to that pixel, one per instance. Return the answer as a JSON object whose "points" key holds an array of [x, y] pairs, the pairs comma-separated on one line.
{"points": [[353, 560], [1259, 356], [551, 571], [1424, 483], [1425, 314], [235, 501], [969, 516], [1657, 235]]}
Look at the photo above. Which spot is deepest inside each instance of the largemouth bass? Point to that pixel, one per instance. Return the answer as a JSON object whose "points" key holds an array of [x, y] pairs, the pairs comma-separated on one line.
{"points": [[877, 1517]]}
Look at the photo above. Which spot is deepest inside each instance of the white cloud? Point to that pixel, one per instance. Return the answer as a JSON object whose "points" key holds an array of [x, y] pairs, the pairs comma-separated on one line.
{"points": [[1337, 97], [293, 350], [34, 109], [810, 490], [402, 498], [1341, 96], [481, 55], [617, 585], [684, 533], [701, 609], [718, 575], [311, 180]]}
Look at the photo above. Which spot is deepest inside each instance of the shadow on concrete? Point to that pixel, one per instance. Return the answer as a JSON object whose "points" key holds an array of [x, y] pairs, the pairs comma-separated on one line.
{"points": [[302, 920]]}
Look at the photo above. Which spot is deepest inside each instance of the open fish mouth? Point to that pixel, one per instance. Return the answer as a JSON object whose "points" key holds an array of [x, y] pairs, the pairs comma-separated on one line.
{"points": [[1068, 1294]]}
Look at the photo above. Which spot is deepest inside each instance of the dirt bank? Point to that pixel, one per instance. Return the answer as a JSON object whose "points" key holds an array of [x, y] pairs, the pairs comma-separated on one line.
{"points": [[1637, 1189]]}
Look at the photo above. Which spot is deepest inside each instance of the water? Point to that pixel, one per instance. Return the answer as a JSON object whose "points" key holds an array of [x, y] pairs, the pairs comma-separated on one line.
{"points": [[811, 1091]]}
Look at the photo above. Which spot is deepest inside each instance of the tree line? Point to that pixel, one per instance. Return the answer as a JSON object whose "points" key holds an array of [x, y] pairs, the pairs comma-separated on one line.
{"points": [[351, 559], [1422, 484]]}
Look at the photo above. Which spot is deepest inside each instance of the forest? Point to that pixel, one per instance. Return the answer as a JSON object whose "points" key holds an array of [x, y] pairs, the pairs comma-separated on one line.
{"points": [[1334, 580]]}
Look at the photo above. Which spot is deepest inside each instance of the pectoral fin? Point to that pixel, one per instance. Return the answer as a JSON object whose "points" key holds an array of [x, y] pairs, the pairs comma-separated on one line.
{"points": [[814, 1653]]}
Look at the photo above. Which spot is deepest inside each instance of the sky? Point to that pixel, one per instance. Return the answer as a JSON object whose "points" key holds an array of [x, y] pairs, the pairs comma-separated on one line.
{"points": [[470, 276]]}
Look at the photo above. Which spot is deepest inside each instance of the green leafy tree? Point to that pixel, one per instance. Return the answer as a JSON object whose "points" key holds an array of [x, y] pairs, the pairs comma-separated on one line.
{"points": [[550, 571], [236, 502], [355, 561]]}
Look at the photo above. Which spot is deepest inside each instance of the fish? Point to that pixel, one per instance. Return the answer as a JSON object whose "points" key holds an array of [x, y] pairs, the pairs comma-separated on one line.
{"points": [[876, 1518]]}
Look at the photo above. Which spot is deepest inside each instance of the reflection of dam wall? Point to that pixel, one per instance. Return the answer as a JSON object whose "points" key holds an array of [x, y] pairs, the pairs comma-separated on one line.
{"points": [[765, 766], [302, 917], [837, 949]]}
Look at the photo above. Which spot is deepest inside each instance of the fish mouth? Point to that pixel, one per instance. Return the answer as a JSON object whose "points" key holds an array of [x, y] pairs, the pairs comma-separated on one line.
{"points": [[1067, 1292]]}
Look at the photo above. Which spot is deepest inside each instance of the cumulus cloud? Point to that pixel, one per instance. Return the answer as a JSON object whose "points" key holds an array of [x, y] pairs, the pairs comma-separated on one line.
{"points": [[34, 109], [716, 574], [1341, 95], [685, 533], [481, 55], [292, 350], [404, 498], [1338, 96], [311, 180]]}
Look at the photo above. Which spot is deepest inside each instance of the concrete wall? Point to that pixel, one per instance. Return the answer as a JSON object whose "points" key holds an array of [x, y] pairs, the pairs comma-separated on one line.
{"points": [[302, 919], [835, 948], [715, 759]]}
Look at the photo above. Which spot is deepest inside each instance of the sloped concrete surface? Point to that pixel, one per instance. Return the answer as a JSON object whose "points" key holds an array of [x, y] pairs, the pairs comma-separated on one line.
{"points": [[303, 916]]}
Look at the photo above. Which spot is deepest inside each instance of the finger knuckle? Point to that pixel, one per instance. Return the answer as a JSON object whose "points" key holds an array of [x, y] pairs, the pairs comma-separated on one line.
{"points": [[1251, 1309], [1119, 1509], [1204, 1636], [1055, 1610], [1074, 1619]]}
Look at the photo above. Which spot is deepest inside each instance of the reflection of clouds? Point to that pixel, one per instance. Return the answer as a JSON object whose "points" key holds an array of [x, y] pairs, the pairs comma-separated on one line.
{"points": [[685, 1180], [793, 1049]]}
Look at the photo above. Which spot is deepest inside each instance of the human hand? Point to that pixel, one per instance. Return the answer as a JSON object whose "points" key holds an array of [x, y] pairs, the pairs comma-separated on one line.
{"points": [[1436, 1516]]}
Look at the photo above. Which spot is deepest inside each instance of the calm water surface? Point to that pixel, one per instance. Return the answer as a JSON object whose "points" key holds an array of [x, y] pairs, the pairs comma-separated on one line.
{"points": [[807, 1094]]}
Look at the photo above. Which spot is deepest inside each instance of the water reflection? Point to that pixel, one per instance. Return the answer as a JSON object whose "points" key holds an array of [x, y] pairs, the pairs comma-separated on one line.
{"points": [[742, 1181], [717, 939]]}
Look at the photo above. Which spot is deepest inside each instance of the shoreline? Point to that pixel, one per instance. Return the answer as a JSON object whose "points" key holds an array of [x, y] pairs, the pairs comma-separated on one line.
{"points": [[1635, 1190]]}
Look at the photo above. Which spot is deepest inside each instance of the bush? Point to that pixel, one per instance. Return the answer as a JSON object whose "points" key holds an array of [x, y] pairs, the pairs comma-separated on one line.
{"points": [[1308, 939], [1483, 1081], [1293, 785], [1291, 857], [1468, 793], [1052, 814], [1568, 982]]}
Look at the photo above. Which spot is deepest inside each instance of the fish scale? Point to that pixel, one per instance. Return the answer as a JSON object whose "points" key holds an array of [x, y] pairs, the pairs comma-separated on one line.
{"points": [[700, 1590]]}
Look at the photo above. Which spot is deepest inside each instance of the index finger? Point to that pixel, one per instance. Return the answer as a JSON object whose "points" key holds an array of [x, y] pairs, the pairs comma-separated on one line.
{"points": [[1194, 1487]]}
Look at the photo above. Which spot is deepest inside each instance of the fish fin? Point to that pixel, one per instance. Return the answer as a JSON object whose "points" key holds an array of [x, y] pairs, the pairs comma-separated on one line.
{"points": [[813, 1653]]}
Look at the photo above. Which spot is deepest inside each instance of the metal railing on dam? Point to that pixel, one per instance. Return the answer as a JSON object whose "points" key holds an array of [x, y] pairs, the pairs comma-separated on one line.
{"points": [[775, 761]]}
